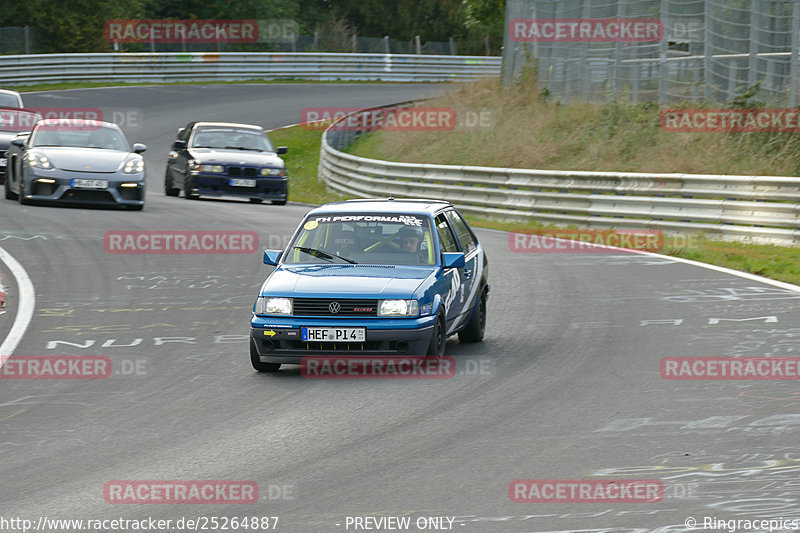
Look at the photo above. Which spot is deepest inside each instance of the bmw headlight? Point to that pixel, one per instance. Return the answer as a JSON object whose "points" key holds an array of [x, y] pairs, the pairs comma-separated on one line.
{"points": [[134, 166], [266, 305], [398, 308], [273, 172], [39, 160], [217, 169]]}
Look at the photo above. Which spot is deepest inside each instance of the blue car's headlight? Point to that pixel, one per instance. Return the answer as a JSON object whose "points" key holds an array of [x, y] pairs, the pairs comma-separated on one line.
{"points": [[273, 306], [134, 166], [39, 161], [217, 169], [398, 308]]}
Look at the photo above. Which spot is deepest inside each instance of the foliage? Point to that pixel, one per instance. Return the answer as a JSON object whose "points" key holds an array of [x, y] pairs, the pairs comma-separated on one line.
{"points": [[79, 27]]}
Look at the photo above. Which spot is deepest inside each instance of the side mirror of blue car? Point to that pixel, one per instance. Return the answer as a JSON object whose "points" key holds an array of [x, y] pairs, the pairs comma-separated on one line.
{"points": [[453, 259], [271, 257]]}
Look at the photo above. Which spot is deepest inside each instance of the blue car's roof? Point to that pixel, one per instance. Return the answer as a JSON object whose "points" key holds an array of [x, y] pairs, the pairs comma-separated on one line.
{"points": [[418, 207]]}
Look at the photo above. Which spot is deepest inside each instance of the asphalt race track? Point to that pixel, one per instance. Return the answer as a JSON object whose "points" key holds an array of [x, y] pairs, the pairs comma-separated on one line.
{"points": [[566, 385]]}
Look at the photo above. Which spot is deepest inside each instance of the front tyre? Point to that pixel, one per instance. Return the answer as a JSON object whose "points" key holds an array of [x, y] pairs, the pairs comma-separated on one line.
{"points": [[438, 338], [169, 190], [21, 195], [473, 332], [9, 193], [256, 362], [187, 190]]}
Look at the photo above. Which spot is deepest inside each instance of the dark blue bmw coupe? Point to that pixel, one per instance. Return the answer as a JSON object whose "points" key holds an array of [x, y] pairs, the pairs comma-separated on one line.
{"points": [[379, 277]]}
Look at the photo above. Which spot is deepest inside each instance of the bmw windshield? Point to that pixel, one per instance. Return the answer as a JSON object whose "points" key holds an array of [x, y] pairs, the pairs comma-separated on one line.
{"points": [[231, 138], [385, 239]]}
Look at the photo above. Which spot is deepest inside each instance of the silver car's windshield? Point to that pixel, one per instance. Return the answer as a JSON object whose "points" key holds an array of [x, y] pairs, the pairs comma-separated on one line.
{"points": [[79, 136], [231, 138], [385, 239]]}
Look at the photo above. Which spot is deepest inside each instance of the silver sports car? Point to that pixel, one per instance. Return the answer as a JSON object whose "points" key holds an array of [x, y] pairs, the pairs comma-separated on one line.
{"points": [[76, 161]]}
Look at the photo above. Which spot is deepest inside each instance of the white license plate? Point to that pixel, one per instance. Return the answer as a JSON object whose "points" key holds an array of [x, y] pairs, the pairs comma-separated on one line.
{"points": [[89, 184], [3, 161], [238, 182], [334, 334]]}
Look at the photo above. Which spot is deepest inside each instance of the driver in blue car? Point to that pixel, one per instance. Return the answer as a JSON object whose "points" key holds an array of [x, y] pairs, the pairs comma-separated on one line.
{"points": [[410, 238]]}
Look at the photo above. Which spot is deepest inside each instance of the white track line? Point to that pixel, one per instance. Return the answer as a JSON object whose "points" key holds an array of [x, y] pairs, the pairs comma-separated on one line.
{"points": [[27, 303], [724, 270]]}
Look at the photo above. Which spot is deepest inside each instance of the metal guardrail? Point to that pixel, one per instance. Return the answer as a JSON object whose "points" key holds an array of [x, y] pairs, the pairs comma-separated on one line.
{"points": [[177, 66], [757, 208]]}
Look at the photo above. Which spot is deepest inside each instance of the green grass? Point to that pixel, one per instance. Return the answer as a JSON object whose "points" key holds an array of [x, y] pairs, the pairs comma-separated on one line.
{"points": [[302, 162]]}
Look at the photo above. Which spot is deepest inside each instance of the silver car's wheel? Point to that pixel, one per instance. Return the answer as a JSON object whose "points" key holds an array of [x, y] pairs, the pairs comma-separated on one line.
{"points": [[9, 193], [21, 195]]}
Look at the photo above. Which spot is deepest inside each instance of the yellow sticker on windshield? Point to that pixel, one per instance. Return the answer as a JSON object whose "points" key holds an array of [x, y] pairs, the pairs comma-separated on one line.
{"points": [[311, 224]]}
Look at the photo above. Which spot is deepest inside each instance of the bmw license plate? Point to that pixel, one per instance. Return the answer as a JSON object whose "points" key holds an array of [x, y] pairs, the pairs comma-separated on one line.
{"points": [[239, 182], [89, 184], [334, 334]]}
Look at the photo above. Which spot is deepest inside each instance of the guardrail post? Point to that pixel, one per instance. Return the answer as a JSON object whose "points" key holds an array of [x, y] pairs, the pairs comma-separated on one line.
{"points": [[419, 45]]}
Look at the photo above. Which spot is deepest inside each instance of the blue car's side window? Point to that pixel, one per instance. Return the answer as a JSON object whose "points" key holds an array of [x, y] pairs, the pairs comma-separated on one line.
{"points": [[446, 237], [463, 233]]}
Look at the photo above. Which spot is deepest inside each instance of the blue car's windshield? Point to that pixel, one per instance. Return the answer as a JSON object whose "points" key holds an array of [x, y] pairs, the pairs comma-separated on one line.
{"points": [[384, 239]]}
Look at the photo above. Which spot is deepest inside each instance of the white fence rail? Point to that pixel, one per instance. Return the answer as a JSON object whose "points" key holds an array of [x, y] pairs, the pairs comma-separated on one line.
{"points": [[205, 66], [757, 208]]}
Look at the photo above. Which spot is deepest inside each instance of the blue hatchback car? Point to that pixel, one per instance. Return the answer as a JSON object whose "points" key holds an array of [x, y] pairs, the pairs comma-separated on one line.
{"points": [[377, 277]]}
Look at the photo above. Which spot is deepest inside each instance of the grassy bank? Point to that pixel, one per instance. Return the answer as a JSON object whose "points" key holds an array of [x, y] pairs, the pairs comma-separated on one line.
{"points": [[302, 162], [774, 262], [526, 130]]}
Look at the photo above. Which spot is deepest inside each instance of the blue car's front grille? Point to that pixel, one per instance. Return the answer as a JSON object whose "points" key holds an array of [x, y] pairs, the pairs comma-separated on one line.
{"points": [[347, 307]]}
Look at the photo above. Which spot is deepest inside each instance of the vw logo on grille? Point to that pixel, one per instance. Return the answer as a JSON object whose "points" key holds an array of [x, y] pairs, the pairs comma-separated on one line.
{"points": [[334, 307]]}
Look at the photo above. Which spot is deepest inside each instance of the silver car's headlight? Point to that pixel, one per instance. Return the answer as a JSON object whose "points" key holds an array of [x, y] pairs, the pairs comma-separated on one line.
{"points": [[134, 166], [39, 161], [266, 305], [398, 308]]}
